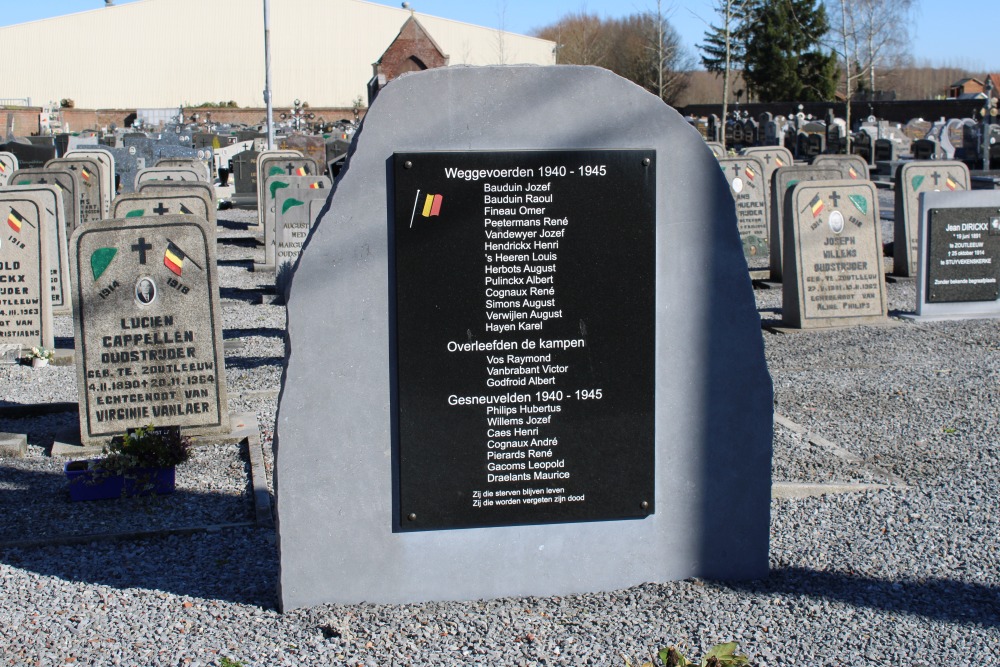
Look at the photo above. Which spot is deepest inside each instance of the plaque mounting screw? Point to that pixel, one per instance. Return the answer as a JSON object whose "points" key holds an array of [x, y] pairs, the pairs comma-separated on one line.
{"points": [[646, 162], [644, 505], [407, 165], [411, 517]]}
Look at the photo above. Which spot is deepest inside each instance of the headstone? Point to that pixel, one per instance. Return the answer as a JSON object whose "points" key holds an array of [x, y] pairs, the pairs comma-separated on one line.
{"points": [[639, 410], [140, 205], [200, 167], [297, 210], [262, 157], [54, 240], [885, 150], [853, 167], [926, 149], [106, 162], [310, 146], [148, 326], [68, 183], [833, 263], [29, 156], [773, 157], [25, 293], [912, 179], [782, 180], [959, 271], [200, 189], [244, 166], [8, 165], [168, 174], [747, 183], [273, 185], [718, 150], [91, 189], [280, 166]]}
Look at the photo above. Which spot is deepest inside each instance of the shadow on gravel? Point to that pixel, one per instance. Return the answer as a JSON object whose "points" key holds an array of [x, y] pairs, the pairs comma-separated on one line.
{"points": [[230, 224], [233, 564], [937, 599], [250, 295], [263, 332], [254, 362], [246, 263]]}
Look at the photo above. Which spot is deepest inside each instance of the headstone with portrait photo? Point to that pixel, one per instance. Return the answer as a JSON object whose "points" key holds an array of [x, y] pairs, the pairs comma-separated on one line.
{"points": [[148, 326], [746, 177], [781, 184]]}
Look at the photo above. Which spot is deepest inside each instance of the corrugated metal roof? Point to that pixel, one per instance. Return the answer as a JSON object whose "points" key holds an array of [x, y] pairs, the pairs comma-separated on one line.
{"points": [[163, 53]]}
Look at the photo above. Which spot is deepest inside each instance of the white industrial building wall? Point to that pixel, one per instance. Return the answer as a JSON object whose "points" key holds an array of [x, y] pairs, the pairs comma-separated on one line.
{"points": [[163, 53]]}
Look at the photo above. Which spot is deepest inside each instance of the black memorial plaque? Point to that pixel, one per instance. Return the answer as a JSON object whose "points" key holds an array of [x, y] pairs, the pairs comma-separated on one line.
{"points": [[963, 255], [524, 336]]}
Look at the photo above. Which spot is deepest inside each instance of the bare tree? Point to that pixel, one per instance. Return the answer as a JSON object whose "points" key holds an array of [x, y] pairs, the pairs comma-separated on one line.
{"points": [[722, 45], [581, 39]]}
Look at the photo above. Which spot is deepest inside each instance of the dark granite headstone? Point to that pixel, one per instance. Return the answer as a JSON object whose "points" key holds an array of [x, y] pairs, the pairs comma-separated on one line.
{"points": [[833, 263], [912, 179], [148, 326], [29, 156], [25, 293], [959, 271], [685, 309], [782, 180]]}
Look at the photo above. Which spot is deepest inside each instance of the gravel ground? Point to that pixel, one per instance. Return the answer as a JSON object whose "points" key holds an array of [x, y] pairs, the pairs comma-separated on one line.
{"points": [[908, 575]]}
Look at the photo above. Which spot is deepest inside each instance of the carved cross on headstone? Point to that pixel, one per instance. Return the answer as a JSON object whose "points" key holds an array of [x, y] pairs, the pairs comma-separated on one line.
{"points": [[936, 176], [169, 178], [43, 181], [289, 168], [736, 170], [141, 247], [835, 198], [161, 209]]}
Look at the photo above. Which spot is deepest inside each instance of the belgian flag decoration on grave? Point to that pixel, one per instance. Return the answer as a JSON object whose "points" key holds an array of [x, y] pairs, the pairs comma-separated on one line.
{"points": [[816, 205], [174, 258], [951, 183], [15, 220], [432, 206]]}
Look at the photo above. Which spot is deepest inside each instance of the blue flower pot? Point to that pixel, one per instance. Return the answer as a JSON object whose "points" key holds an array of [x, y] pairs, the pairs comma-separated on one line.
{"points": [[95, 484]]}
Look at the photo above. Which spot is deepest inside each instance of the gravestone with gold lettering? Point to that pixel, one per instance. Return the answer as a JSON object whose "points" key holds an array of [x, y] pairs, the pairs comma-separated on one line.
{"points": [[913, 178], [25, 292], [148, 326], [833, 258]]}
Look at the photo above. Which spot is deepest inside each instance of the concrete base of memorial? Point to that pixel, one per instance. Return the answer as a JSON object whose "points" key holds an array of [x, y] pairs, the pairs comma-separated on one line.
{"points": [[336, 475], [242, 425]]}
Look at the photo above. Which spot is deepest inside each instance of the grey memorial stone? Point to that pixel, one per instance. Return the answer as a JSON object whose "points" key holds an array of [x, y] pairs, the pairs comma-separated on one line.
{"points": [[297, 211], [833, 263], [68, 184], [781, 183], [167, 174], [106, 162], [314, 186], [148, 326], [958, 276], [25, 293], [205, 191], [747, 183], [853, 167], [912, 179], [55, 241], [91, 189], [718, 150], [335, 455], [8, 165]]}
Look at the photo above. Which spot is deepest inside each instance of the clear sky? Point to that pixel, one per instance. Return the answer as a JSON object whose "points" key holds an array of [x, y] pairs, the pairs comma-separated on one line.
{"points": [[943, 32]]}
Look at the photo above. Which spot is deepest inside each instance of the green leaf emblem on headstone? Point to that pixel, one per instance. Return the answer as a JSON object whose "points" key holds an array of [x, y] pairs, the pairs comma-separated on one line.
{"points": [[275, 171], [100, 259], [138, 213], [917, 180], [860, 203], [289, 203], [277, 185]]}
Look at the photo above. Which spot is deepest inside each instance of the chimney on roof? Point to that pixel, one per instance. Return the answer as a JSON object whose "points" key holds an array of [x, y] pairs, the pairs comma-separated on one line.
{"points": [[109, 3]]}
